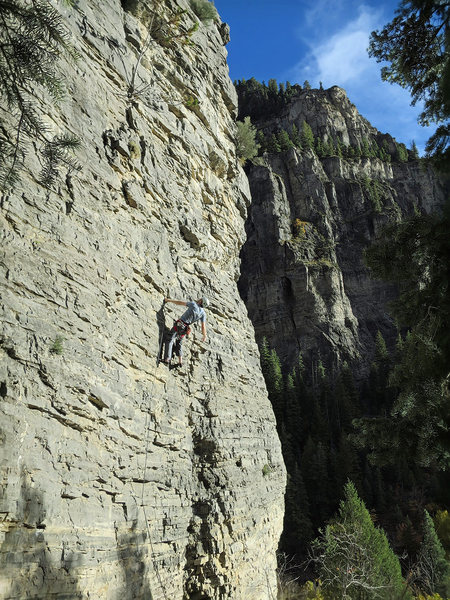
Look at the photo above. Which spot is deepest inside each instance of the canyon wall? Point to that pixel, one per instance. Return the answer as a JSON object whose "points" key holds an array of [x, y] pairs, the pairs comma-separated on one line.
{"points": [[303, 278], [121, 478]]}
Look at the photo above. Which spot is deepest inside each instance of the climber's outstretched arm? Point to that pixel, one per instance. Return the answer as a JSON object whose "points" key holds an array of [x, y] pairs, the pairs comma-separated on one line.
{"points": [[180, 302]]}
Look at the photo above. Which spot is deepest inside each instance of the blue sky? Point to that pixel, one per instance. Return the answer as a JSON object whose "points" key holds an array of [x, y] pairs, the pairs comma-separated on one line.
{"points": [[321, 40]]}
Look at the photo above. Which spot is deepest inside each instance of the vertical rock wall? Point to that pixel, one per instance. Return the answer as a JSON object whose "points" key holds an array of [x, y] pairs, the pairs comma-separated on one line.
{"points": [[303, 277], [120, 479]]}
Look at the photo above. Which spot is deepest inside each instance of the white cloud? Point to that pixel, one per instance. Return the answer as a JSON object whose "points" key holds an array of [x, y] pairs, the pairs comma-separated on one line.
{"points": [[318, 11], [340, 57], [343, 58]]}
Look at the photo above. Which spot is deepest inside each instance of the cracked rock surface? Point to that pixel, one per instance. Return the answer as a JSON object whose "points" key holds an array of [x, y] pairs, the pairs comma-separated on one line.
{"points": [[303, 278], [121, 479]]}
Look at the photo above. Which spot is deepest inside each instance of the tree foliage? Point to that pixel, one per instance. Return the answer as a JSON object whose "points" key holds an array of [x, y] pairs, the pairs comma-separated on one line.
{"points": [[205, 10], [442, 526], [33, 40], [353, 556], [307, 136], [246, 145], [416, 44], [259, 101], [433, 571], [415, 254], [315, 410]]}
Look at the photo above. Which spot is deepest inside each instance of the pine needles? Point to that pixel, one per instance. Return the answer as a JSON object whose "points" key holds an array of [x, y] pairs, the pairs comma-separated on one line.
{"points": [[33, 39]]}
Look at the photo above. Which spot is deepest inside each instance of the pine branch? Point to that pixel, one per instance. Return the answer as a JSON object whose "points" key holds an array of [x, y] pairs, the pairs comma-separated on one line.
{"points": [[56, 153], [33, 39]]}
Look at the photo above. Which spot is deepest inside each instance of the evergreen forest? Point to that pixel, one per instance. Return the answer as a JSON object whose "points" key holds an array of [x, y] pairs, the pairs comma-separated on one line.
{"points": [[368, 464]]}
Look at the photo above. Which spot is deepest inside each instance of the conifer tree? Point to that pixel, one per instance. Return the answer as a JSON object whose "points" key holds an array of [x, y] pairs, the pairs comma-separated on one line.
{"points": [[273, 145], [373, 149], [33, 39], [307, 136], [402, 153], [284, 141], [346, 398], [353, 556], [295, 137], [289, 90], [381, 353], [414, 150], [442, 526], [433, 571], [416, 47], [261, 141], [273, 87], [347, 463], [314, 470], [306, 85], [365, 149], [415, 254], [385, 149], [273, 95], [367, 484], [293, 416], [320, 147], [407, 538], [379, 491], [297, 532], [330, 150], [271, 368]]}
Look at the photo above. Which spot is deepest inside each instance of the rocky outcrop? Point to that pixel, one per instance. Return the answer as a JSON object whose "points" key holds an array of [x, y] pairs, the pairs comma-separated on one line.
{"points": [[303, 278], [121, 479]]}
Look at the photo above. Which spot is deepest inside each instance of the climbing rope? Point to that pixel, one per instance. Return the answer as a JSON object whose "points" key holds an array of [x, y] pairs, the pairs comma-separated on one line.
{"points": [[146, 398], [147, 401]]}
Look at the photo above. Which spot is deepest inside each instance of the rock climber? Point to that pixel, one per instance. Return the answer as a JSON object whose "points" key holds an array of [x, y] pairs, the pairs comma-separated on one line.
{"points": [[181, 327]]}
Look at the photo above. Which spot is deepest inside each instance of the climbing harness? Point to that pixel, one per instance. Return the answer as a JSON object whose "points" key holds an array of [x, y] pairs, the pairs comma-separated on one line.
{"points": [[181, 328]]}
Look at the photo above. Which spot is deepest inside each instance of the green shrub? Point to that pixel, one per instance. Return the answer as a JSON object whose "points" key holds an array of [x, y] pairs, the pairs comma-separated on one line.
{"points": [[246, 146], [190, 101], [266, 470], [57, 345], [205, 10]]}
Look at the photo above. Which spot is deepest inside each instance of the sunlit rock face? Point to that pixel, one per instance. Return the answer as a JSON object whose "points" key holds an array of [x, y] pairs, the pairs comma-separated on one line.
{"points": [[303, 277], [120, 478]]}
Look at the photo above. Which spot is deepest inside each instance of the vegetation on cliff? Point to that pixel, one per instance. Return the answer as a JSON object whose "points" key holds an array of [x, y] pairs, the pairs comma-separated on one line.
{"points": [[33, 41], [260, 102]]}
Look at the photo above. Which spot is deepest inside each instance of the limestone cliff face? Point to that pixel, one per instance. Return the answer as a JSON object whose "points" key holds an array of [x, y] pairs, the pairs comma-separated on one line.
{"points": [[120, 479], [303, 277]]}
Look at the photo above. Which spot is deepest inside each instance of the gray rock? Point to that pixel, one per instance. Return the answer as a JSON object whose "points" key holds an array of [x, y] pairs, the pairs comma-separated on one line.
{"points": [[121, 479], [303, 278]]}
